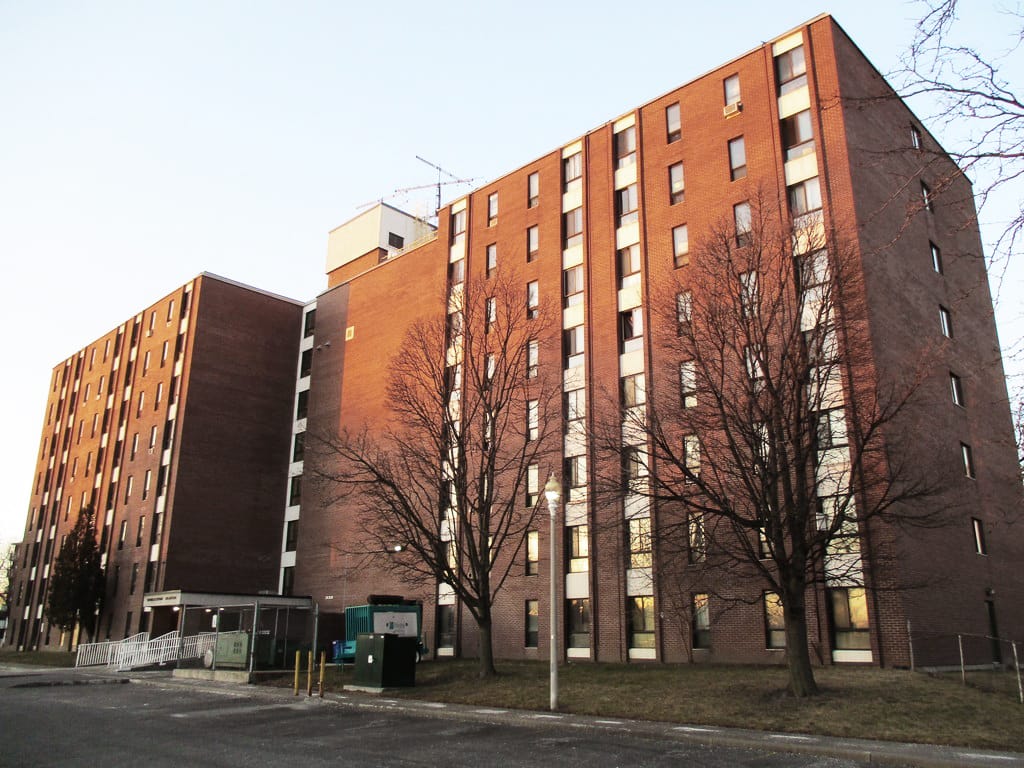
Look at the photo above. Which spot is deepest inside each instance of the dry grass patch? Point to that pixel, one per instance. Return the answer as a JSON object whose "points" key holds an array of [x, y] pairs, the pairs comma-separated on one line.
{"points": [[38, 658]]}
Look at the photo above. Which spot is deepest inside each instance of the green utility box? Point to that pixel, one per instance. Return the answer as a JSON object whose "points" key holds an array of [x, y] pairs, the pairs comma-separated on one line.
{"points": [[232, 651], [385, 661]]}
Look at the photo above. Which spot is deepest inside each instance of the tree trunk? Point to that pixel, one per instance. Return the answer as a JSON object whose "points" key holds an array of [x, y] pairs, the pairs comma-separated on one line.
{"points": [[798, 656], [486, 651]]}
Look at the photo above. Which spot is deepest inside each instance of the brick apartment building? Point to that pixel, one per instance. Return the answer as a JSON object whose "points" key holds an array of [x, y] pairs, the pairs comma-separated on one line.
{"points": [[162, 428], [595, 230]]}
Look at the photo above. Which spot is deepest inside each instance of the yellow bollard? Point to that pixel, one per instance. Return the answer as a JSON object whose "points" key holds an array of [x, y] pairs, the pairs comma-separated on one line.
{"points": [[309, 676], [323, 668], [298, 663]]}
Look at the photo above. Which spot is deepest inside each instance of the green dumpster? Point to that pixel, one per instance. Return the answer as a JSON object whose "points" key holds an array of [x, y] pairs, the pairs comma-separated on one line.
{"points": [[385, 661]]}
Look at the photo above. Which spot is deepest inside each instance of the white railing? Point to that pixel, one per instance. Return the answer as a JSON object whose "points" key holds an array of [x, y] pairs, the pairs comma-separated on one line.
{"points": [[139, 651]]}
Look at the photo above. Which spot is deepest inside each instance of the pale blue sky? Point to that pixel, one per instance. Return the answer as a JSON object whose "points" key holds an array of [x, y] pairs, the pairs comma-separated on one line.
{"points": [[144, 142]]}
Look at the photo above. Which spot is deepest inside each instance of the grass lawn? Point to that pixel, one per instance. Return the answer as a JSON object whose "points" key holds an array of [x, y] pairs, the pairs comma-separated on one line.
{"points": [[858, 702], [38, 658]]}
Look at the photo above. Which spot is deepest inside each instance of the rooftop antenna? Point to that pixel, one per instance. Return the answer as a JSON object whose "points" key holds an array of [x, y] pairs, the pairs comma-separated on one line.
{"points": [[440, 170]]}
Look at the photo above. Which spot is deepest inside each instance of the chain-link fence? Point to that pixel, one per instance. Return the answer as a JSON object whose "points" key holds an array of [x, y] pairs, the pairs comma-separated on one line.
{"points": [[986, 662]]}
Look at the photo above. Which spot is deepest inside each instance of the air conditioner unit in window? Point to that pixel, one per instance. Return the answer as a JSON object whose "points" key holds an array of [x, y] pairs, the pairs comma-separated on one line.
{"points": [[732, 109]]}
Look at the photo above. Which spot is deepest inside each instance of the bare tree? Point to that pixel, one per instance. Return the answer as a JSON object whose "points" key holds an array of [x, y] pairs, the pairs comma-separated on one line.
{"points": [[771, 455], [455, 475]]}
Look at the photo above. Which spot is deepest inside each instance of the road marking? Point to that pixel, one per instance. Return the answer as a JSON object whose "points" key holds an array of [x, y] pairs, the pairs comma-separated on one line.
{"points": [[490, 711], [221, 711], [608, 722], [789, 737], [547, 717], [694, 729], [431, 704], [976, 756]]}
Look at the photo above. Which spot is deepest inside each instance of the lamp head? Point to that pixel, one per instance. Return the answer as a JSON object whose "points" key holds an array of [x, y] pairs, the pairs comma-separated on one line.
{"points": [[552, 489]]}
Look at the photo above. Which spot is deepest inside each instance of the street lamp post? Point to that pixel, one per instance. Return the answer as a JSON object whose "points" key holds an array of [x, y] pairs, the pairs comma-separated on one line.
{"points": [[552, 492]]}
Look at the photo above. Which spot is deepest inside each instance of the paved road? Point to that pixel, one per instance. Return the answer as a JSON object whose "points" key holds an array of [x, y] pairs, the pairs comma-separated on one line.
{"points": [[74, 718], [166, 723]]}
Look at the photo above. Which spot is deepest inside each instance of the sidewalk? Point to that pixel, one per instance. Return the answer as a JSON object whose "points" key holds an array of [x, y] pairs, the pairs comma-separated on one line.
{"points": [[861, 750]]}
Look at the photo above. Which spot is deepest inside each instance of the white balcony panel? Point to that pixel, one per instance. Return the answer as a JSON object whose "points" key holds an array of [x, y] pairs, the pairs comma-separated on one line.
{"points": [[643, 653], [572, 316], [460, 204], [292, 514], [572, 198], [808, 233], [625, 176], [795, 101], [634, 430], [458, 250], [637, 505], [445, 594], [630, 297], [577, 585], [287, 559], [852, 657], [575, 442], [576, 513], [624, 122], [154, 553], [455, 300], [787, 43], [574, 378], [577, 653], [631, 362], [639, 582], [803, 168], [627, 235], [571, 149], [572, 256]]}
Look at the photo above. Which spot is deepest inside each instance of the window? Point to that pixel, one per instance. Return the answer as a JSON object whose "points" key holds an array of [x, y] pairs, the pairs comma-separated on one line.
{"points": [[573, 344], [122, 534], [641, 621], [492, 258], [134, 579], [572, 168], [946, 322], [309, 323], [291, 535], [492, 209], [578, 543], [532, 419], [454, 325], [628, 262], [163, 360], [490, 313], [915, 137], [532, 623], [737, 158], [626, 203], [395, 241], [936, 257], [458, 222], [532, 553], [831, 429], [457, 272], [631, 330], [142, 403], [731, 86], [532, 359], [673, 126], [701, 618], [295, 490], [979, 536], [575, 471], [791, 70], [532, 299], [676, 184], [957, 388], [532, 484], [926, 197], [302, 404], [634, 468], [532, 190], [146, 483], [805, 197], [139, 531], [688, 383], [446, 626], [127, 489], [575, 405], [849, 609], [749, 297], [691, 455], [684, 307], [755, 371], [577, 620], [572, 286], [797, 135], [681, 245], [967, 457], [774, 621], [741, 217], [299, 446], [640, 542], [633, 390], [533, 240], [625, 147], [697, 533], [305, 363]]}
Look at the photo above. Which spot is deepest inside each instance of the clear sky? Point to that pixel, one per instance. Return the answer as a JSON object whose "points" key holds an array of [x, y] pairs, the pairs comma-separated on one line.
{"points": [[144, 142]]}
